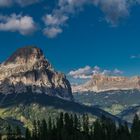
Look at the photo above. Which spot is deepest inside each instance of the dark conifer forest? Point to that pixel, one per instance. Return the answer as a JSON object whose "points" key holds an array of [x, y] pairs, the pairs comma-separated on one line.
{"points": [[73, 127]]}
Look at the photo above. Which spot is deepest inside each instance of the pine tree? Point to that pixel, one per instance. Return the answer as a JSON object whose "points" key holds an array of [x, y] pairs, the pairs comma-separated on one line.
{"points": [[135, 130], [67, 126], [9, 132], [75, 123], [86, 123], [43, 130], [127, 132], [50, 128], [18, 132], [108, 128], [97, 130], [60, 125], [50, 123], [27, 134], [35, 133], [76, 126], [60, 121], [38, 129]]}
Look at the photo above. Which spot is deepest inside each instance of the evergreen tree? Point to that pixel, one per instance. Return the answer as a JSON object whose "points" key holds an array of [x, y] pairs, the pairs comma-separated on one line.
{"points": [[68, 127], [50, 123], [9, 132], [0, 136], [50, 128], [135, 130], [75, 123], [108, 128], [27, 134], [38, 129], [18, 132], [86, 123], [43, 129], [34, 132], [127, 132], [60, 125], [98, 130]]}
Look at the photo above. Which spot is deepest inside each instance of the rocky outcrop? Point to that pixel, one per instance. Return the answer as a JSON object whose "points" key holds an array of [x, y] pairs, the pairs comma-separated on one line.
{"points": [[27, 70], [100, 82]]}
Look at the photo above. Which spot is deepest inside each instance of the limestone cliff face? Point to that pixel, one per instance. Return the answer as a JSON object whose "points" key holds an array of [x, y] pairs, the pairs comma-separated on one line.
{"points": [[27, 70], [101, 82]]}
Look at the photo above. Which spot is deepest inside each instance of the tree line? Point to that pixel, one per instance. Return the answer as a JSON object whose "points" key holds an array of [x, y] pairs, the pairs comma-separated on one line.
{"points": [[73, 127]]}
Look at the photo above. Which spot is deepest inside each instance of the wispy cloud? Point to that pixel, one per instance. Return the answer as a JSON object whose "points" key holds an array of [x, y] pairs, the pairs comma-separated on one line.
{"points": [[114, 11], [52, 32], [135, 56], [54, 21], [87, 72], [8, 3], [17, 23], [53, 24], [82, 73]]}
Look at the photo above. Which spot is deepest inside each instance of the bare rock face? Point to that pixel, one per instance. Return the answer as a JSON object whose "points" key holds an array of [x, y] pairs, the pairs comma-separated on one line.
{"points": [[27, 70], [100, 83]]}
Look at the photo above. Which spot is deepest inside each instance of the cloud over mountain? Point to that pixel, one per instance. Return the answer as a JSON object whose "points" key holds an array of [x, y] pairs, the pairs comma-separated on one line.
{"points": [[82, 73], [87, 72]]}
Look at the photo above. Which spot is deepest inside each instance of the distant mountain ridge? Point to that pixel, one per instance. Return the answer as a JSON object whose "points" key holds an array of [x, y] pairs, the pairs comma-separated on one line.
{"points": [[28, 71], [100, 83]]}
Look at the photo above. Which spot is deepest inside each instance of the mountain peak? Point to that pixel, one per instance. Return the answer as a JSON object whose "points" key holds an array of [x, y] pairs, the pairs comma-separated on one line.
{"points": [[28, 71], [25, 55]]}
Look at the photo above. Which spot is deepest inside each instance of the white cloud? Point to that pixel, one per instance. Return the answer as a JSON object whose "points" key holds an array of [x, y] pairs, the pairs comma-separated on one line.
{"points": [[114, 10], [55, 19], [8, 3], [59, 16], [87, 72], [82, 73], [53, 24], [52, 31], [17, 23]]}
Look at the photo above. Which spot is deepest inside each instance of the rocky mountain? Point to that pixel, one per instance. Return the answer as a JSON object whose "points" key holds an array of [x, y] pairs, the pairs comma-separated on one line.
{"points": [[30, 89], [100, 83], [28, 71]]}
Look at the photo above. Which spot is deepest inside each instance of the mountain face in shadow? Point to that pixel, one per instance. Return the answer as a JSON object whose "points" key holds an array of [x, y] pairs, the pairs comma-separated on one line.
{"points": [[28, 71], [17, 106]]}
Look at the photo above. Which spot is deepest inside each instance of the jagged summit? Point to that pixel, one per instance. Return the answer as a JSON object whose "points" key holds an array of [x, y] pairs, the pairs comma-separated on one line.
{"points": [[29, 55], [25, 54], [27, 70]]}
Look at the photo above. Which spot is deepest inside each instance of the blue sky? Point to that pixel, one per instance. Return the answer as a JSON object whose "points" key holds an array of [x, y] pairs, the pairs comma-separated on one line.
{"points": [[75, 34]]}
